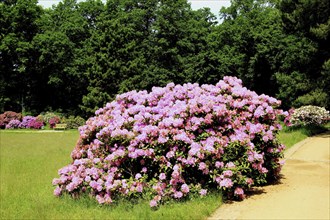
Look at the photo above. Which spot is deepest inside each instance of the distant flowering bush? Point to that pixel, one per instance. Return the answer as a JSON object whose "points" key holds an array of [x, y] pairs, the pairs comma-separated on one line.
{"points": [[7, 116], [176, 141], [53, 121], [35, 124], [26, 121], [74, 122], [13, 124], [50, 115], [31, 122], [309, 115]]}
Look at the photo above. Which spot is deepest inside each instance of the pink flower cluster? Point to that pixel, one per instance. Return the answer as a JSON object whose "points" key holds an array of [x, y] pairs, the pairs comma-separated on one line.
{"points": [[27, 122], [176, 141], [31, 122]]}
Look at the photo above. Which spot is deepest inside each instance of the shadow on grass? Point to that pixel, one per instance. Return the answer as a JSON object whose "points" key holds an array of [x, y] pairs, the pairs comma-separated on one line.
{"points": [[309, 130]]}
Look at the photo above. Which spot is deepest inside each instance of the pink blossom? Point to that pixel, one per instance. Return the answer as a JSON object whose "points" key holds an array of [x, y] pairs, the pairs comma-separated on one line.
{"points": [[230, 165], [153, 203], [228, 173], [138, 176], [56, 181], [203, 192], [162, 176], [239, 192], [185, 188], [177, 194], [139, 188], [57, 191], [202, 166], [100, 199], [218, 164], [226, 183], [249, 181]]}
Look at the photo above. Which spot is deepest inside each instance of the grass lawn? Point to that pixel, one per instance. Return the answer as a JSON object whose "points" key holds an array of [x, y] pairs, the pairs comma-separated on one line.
{"points": [[29, 160], [290, 136]]}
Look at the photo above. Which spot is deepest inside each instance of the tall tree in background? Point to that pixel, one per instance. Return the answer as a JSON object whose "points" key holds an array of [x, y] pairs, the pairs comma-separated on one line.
{"points": [[61, 51], [18, 78], [77, 56], [119, 50], [308, 83], [247, 44], [140, 44]]}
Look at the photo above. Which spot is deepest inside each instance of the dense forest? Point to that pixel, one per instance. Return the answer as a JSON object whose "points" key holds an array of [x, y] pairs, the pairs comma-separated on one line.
{"points": [[76, 56]]}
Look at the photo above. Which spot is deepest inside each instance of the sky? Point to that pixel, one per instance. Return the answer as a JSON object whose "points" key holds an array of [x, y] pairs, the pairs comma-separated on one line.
{"points": [[214, 5]]}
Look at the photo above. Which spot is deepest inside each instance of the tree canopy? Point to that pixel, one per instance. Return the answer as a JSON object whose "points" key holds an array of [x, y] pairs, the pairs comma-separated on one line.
{"points": [[76, 56]]}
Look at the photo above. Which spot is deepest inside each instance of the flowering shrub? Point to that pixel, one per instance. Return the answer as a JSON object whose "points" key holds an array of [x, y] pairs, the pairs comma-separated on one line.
{"points": [[35, 124], [309, 115], [13, 124], [53, 121], [26, 121], [31, 122], [49, 115], [74, 122], [7, 116], [176, 141]]}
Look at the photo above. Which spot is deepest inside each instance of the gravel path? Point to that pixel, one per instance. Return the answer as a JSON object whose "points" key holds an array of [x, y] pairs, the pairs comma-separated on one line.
{"points": [[303, 192]]}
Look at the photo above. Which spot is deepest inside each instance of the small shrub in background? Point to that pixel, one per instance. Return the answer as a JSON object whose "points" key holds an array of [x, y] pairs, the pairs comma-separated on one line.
{"points": [[74, 122], [26, 121], [41, 119], [31, 122], [54, 120], [48, 115], [35, 124], [175, 142], [309, 116], [13, 124], [7, 116]]}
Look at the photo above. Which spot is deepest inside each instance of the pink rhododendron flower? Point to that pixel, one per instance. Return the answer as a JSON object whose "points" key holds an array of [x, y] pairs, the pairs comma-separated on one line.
{"points": [[138, 176], [185, 188], [153, 203], [162, 176], [239, 191], [57, 191], [228, 173], [203, 192], [202, 166], [178, 195]]}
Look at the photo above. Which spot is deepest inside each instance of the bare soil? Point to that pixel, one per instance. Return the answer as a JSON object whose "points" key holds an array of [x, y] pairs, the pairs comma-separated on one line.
{"points": [[302, 193]]}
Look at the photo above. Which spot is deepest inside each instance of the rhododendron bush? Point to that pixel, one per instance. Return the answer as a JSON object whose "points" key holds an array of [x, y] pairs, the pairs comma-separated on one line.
{"points": [[309, 115], [176, 141]]}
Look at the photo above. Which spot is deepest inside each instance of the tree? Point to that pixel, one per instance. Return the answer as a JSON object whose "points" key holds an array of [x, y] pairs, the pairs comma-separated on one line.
{"points": [[247, 44], [61, 47], [140, 44], [310, 21], [17, 61]]}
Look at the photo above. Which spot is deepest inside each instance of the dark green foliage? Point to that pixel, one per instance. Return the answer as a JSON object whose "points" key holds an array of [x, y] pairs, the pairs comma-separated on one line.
{"points": [[17, 61], [76, 56], [73, 122], [309, 20]]}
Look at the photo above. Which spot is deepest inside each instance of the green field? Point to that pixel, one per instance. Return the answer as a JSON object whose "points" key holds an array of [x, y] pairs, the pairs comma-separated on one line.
{"points": [[29, 162], [292, 135]]}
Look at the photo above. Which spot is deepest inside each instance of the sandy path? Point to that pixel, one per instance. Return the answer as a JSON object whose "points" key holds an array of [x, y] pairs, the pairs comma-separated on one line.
{"points": [[303, 192]]}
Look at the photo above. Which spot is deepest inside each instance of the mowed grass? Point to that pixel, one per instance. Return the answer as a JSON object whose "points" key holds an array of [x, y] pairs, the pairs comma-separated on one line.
{"points": [[289, 136], [29, 160]]}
